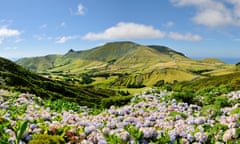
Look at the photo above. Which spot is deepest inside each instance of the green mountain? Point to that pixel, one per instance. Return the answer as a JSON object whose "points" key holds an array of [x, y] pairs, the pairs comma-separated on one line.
{"points": [[14, 77], [127, 63]]}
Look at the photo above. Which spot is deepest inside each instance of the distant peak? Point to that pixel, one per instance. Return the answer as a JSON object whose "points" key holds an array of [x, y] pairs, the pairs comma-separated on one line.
{"points": [[71, 50], [212, 60], [121, 42]]}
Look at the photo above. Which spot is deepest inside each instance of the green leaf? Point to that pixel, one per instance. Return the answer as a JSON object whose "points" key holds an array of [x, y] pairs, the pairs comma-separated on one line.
{"points": [[22, 129], [3, 142]]}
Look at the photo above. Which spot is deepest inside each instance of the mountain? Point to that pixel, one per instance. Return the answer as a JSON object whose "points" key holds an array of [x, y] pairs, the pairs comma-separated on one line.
{"points": [[133, 63], [14, 77], [115, 55], [212, 60]]}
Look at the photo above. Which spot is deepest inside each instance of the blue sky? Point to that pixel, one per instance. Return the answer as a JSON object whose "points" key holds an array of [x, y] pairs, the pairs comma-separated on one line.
{"points": [[198, 28]]}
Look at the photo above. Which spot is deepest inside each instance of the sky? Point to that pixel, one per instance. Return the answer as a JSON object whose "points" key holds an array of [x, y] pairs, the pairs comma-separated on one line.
{"points": [[197, 28]]}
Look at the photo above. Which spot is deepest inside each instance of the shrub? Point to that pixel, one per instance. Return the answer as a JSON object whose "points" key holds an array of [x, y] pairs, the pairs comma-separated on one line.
{"points": [[4, 136], [221, 101], [60, 105], [115, 100], [47, 139], [235, 111], [159, 83], [238, 64], [113, 139], [186, 95], [175, 113], [211, 110], [163, 138], [135, 133], [214, 130], [135, 86]]}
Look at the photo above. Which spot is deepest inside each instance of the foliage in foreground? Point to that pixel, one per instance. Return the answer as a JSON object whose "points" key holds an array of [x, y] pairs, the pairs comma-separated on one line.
{"points": [[47, 139]]}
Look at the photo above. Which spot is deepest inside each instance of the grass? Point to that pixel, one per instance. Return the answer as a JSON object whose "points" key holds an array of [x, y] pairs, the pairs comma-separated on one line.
{"points": [[14, 77], [231, 81], [139, 64]]}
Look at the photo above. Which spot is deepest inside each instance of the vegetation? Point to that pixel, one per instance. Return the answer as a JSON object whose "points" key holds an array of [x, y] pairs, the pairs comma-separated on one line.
{"points": [[238, 64], [226, 83], [134, 132], [47, 139], [3, 136], [19, 130], [88, 78], [159, 83], [124, 64], [14, 77]]}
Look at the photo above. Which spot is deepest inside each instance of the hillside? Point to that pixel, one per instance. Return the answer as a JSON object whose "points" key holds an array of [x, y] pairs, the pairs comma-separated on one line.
{"points": [[14, 77], [115, 55], [126, 61], [231, 81]]}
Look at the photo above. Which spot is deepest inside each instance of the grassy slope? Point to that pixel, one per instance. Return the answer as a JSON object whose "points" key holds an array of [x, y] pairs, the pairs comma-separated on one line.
{"points": [[133, 59], [14, 77], [39, 63], [149, 79], [230, 80], [124, 54]]}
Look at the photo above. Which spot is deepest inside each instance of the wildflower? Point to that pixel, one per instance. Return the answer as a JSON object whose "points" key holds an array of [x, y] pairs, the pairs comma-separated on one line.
{"points": [[89, 129]]}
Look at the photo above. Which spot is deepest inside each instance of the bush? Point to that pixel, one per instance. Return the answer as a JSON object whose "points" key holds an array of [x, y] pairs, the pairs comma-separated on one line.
{"points": [[135, 86], [211, 111], [159, 83], [135, 133], [186, 96], [221, 101], [117, 100], [175, 113], [213, 130], [47, 139]]}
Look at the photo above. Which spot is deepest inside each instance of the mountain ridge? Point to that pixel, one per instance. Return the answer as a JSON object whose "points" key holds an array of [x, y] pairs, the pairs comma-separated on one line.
{"points": [[119, 52], [135, 63]]}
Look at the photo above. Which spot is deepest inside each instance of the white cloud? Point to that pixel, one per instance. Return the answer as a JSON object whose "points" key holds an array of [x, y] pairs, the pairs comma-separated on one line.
{"points": [[63, 24], [6, 22], [236, 39], [186, 37], [125, 30], [64, 39], [80, 9], [18, 40], [236, 4], [169, 24], [11, 48], [42, 37], [213, 18], [213, 13], [190, 2], [1, 40], [43, 26], [6, 32]]}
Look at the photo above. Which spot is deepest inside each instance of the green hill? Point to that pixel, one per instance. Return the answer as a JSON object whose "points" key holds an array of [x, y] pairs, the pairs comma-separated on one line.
{"points": [[118, 55], [124, 62], [39, 63], [231, 81], [14, 77]]}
